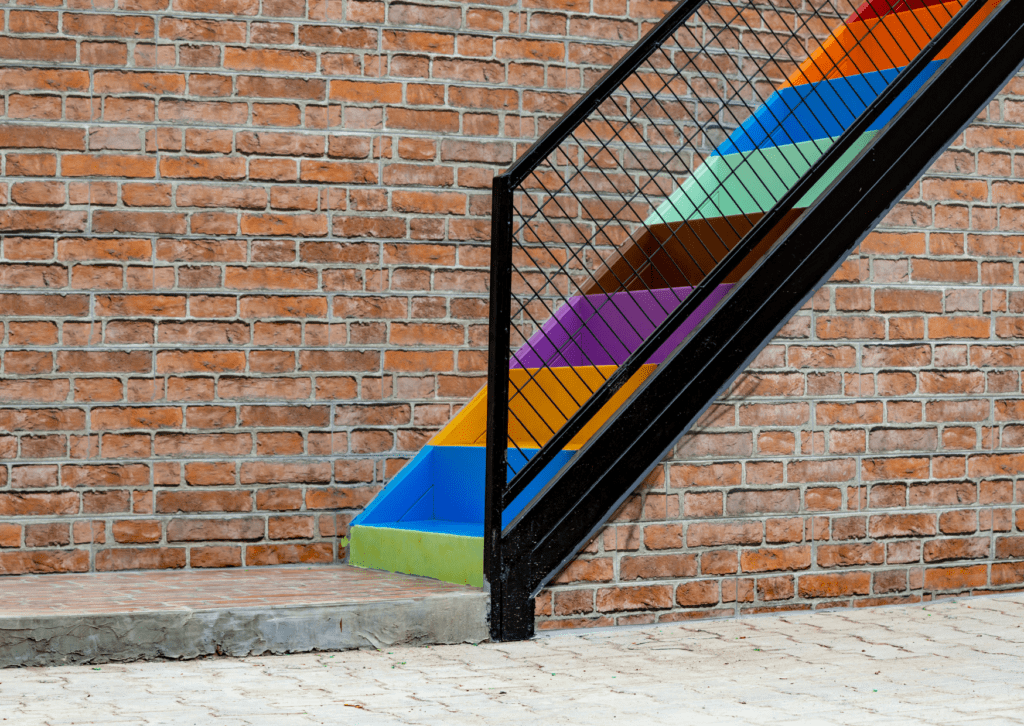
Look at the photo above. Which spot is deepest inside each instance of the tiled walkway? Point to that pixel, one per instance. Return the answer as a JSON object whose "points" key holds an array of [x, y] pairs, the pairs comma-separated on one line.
{"points": [[131, 592], [949, 662]]}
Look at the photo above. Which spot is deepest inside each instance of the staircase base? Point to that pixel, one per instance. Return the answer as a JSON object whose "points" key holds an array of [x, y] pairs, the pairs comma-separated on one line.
{"points": [[103, 618]]}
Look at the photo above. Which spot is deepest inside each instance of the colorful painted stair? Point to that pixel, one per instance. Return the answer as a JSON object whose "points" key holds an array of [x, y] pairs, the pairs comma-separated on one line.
{"points": [[429, 519]]}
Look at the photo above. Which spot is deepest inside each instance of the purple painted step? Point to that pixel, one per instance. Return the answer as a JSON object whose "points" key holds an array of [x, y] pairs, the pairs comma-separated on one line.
{"points": [[605, 329]]}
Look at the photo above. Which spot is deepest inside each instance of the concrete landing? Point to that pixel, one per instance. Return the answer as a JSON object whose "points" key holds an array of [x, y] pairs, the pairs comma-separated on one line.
{"points": [[112, 617]]}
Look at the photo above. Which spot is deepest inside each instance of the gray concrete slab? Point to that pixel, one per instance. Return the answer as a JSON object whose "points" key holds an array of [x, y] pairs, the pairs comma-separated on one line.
{"points": [[145, 616], [109, 638]]}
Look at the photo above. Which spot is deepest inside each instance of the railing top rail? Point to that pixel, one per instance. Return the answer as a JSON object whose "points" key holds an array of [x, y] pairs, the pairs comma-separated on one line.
{"points": [[600, 91]]}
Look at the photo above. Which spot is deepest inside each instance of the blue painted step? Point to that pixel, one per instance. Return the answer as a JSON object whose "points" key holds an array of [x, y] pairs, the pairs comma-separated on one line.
{"points": [[429, 520]]}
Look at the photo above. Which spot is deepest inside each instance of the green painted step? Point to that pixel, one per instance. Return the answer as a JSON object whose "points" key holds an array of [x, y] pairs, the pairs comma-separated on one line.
{"points": [[448, 557], [751, 182]]}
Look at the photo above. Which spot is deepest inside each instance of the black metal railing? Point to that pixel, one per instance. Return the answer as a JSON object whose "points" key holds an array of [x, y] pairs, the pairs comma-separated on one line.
{"points": [[635, 223]]}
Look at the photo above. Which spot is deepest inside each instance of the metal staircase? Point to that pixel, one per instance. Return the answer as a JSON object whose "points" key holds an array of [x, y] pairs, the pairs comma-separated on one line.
{"points": [[666, 227]]}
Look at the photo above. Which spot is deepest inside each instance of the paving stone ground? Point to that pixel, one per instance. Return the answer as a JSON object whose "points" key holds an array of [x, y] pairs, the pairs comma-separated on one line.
{"points": [[949, 662]]}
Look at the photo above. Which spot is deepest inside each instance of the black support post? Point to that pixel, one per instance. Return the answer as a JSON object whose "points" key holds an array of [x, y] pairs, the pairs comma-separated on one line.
{"points": [[497, 398]]}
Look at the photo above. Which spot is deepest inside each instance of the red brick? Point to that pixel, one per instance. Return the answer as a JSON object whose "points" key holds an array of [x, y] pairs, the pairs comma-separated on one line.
{"points": [[902, 525], [222, 556], [202, 530], [596, 570], [663, 536], [107, 165], [98, 475], [295, 527], [652, 567], [210, 473], [776, 558], [957, 549], [279, 554], [775, 588], [697, 594], [834, 585], [89, 532], [137, 531], [706, 534], [995, 465], [849, 555], [42, 137], [943, 493], [823, 499], [790, 529], [43, 562], [137, 558], [54, 534], [955, 578], [686, 475], [10, 535], [1010, 573], [653, 597], [756, 501], [895, 468], [718, 562], [203, 501], [822, 470]]}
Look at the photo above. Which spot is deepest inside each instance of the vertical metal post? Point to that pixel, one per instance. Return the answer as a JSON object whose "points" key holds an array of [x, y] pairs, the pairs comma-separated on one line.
{"points": [[497, 398]]}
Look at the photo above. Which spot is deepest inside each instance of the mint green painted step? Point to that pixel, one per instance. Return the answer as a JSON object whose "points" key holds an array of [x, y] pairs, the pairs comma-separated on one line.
{"points": [[448, 557], [751, 182]]}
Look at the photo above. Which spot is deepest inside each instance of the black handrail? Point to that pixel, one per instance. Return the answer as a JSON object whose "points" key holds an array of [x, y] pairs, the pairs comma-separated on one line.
{"points": [[600, 91]]}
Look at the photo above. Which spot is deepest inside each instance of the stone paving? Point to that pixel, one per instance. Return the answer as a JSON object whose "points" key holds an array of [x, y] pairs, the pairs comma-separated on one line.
{"points": [[953, 661]]}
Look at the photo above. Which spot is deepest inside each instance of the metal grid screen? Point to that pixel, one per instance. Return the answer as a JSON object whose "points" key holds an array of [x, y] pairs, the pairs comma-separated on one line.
{"points": [[616, 226]]}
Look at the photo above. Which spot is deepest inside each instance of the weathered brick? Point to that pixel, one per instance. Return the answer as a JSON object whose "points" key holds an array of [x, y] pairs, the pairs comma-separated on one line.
{"points": [[651, 597], [776, 558], [138, 558], [44, 562], [848, 555], [955, 578], [834, 585], [202, 530], [293, 554], [757, 501], [901, 525], [706, 534], [697, 594], [653, 567], [971, 548]]}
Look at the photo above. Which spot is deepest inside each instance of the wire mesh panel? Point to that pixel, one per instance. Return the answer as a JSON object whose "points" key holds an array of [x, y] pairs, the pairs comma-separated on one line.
{"points": [[639, 212]]}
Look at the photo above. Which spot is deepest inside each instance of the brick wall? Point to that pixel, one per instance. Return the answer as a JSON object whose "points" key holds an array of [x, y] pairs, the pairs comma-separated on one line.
{"points": [[243, 272], [244, 258]]}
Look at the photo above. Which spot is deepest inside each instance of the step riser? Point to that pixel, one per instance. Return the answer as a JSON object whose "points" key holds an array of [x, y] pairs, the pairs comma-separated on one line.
{"points": [[448, 557]]}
